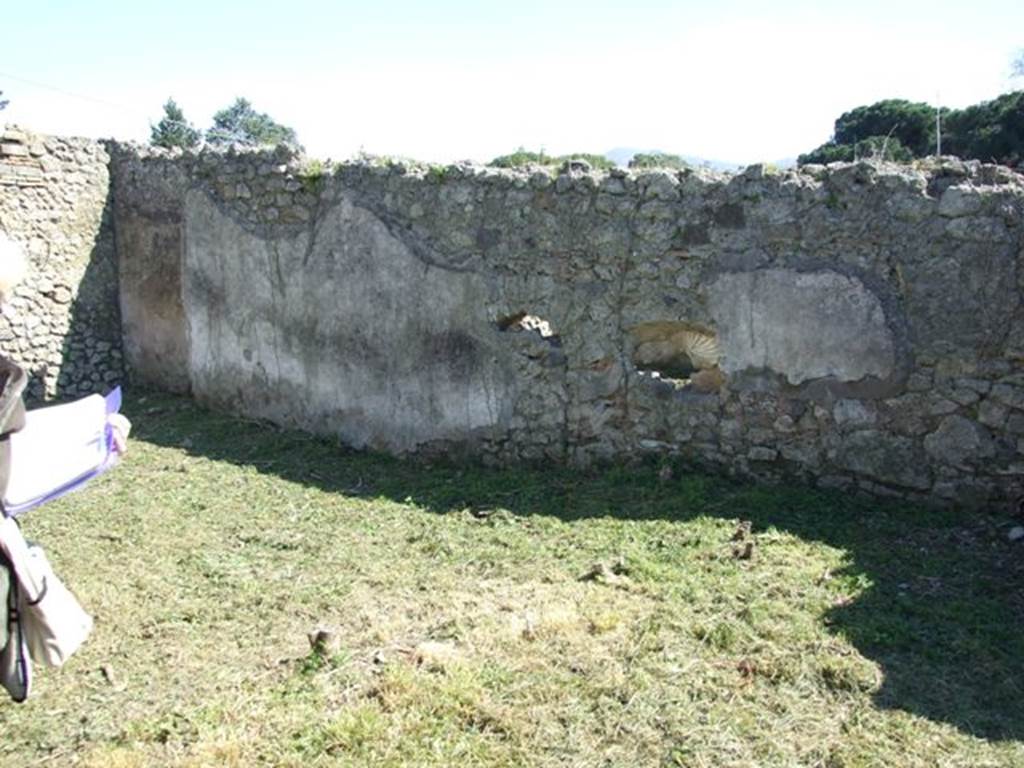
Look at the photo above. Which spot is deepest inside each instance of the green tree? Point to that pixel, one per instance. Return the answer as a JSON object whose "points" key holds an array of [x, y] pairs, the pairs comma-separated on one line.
{"points": [[242, 124], [892, 129], [657, 160], [173, 130], [887, 148], [912, 123], [992, 131]]}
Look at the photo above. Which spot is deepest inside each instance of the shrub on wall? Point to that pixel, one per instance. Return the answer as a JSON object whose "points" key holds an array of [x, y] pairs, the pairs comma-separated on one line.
{"points": [[657, 160], [521, 157]]}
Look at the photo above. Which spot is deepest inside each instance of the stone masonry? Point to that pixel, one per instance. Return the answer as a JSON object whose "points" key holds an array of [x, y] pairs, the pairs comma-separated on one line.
{"points": [[853, 326], [62, 325]]}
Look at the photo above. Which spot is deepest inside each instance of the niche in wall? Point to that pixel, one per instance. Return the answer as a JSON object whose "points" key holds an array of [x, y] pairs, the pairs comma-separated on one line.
{"points": [[683, 354], [523, 321]]}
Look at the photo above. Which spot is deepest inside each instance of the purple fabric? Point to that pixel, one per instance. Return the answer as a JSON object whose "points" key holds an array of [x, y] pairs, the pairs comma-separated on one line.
{"points": [[113, 399]]}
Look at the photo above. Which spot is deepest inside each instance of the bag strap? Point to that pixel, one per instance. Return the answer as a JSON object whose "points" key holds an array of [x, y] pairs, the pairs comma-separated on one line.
{"points": [[16, 635]]}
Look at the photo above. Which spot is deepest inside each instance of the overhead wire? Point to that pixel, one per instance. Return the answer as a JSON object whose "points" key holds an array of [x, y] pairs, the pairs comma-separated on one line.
{"points": [[135, 112], [66, 92]]}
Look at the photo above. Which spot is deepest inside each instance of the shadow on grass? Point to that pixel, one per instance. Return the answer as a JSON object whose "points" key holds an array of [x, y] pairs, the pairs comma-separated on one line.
{"points": [[943, 617]]}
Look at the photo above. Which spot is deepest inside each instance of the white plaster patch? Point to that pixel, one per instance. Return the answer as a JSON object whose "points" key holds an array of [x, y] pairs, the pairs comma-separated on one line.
{"points": [[350, 334], [803, 325]]}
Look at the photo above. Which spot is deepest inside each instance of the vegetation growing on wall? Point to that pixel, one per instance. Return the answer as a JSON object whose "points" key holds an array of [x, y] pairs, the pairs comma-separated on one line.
{"points": [[522, 157], [658, 160], [311, 175]]}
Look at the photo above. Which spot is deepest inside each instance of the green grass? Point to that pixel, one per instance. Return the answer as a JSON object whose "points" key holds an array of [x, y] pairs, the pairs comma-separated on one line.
{"points": [[517, 617]]}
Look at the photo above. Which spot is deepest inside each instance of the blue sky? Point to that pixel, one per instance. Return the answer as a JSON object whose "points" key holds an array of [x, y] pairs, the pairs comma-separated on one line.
{"points": [[739, 81]]}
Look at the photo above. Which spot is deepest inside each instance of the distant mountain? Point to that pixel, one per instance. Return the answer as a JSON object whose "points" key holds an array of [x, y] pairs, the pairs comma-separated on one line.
{"points": [[622, 155]]}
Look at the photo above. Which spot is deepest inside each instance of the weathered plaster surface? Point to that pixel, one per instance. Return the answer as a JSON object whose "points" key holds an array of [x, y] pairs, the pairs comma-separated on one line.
{"points": [[853, 326], [398, 359], [803, 325]]}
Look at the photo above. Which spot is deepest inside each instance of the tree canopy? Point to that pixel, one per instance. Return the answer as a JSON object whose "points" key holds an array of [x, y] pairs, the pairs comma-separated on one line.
{"points": [[873, 147], [913, 123], [174, 130], [992, 131], [242, 124], [895, 129]]}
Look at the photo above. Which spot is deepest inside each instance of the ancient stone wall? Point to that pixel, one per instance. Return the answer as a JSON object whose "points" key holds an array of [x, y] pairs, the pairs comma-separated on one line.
{"points": [[62, 324], [854, 326]]}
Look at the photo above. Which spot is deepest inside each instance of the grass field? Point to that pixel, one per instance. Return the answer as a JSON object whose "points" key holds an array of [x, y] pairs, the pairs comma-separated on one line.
{"points": [[641, 616]]}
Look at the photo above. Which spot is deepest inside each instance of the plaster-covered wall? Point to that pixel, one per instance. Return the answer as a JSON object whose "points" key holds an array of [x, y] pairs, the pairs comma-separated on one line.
{"points": [[62, 324], [855, 326]]}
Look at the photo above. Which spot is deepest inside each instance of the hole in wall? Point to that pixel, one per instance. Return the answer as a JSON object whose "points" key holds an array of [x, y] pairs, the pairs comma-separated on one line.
{"points": [[523, 321], [683, 354]]}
